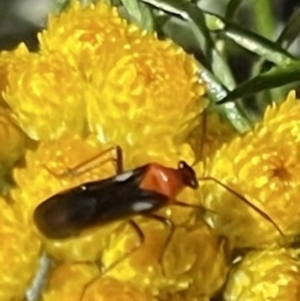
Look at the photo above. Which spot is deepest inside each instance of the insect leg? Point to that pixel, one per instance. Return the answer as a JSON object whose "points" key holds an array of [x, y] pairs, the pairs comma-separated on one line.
{"points": [[167, 222], [201, 208], [246, 201], [141, 236], [95, 161]]}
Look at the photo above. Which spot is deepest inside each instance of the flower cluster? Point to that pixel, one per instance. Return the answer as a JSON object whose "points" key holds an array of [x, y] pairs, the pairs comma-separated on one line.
{"points": [[270, 275], [251, 187], [96, 82], [262, 167]]}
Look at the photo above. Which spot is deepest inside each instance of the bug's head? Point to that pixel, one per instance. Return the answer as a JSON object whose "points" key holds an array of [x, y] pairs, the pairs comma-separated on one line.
{"points": [[188, 174]]}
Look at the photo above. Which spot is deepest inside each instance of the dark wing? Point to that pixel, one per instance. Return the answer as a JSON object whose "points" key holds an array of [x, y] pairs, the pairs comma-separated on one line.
{"points": [[95, 203], [64, 214]]}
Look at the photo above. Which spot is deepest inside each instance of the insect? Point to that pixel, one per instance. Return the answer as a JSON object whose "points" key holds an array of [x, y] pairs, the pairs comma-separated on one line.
{"points": [[143, 190], [140, 191]]}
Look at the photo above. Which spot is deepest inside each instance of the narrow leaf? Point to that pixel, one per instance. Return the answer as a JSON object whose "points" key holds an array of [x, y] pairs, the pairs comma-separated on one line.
{"points": [[276, 77], [217, 92], [231, 9], [291, 30], [255, 43]]}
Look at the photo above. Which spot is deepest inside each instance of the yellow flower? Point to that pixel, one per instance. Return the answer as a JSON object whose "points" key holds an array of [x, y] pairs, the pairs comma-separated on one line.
{"points": [[265, 275], [94, 69], [12, 141], [46, 96], [151, 89], [264, 167], [195, 261], [6, 57], [98, 77], [66, 281], [37, 181], [82, 34], [194, 254], [19, 253], [113, 290], [198, 258]]}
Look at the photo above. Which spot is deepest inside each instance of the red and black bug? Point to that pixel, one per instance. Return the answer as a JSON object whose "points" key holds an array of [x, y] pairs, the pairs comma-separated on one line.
{"points": [[140, 191]]}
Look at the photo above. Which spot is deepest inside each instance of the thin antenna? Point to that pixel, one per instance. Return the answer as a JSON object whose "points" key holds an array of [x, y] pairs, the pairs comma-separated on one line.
{"points": [[246, 201]]}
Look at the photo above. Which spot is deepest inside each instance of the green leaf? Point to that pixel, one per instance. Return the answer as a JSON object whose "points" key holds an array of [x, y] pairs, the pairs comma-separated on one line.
{"points": [[255, 43], [231, 9], [291, 31], [249, 40], [139, 14], [276, 77], [217, 91]]}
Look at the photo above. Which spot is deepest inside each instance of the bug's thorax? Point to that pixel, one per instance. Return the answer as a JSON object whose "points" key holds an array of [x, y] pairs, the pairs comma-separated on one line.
{"points": [[164, 180]]}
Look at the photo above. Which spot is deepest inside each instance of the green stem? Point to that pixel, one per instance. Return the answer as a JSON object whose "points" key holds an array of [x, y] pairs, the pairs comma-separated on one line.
{"points": [[265, 25], [264, 17]]}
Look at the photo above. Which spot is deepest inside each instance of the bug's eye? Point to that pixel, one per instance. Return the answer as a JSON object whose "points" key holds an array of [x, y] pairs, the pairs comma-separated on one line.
{"points": [[188, 175]]}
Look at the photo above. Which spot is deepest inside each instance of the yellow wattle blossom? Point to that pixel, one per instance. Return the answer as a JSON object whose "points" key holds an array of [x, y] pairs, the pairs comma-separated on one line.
{"points": [[95, 71], [6, 58], [82, 34], [98, 81], [265, 275], [67, 281], [157, 87], [199, 258], [195, 262], [78, 275], [38, 180], [192, 249], [111, 289], [264, 167], [12, 141], [19, 253], [43, 106]]}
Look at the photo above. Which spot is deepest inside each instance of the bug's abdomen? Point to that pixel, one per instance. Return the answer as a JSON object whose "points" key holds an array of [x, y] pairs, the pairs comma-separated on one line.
{"points": [[94, 204], [63, 216]]}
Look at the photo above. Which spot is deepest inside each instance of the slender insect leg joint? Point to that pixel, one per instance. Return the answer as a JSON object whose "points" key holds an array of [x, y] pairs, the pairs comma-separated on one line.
{"points": [[93, 162], [141, 237], [201, 208], [246, 201], [104, 271], [169, 223]]}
